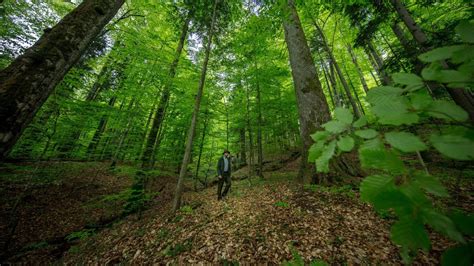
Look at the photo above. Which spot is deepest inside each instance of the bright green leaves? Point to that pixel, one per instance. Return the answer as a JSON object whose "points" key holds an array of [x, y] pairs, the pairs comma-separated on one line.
{"points": [[404, 141], [411, 81], [322, 162], [431, 184], [439, 54], [411, 234], [366, 133], [447, 111], [335, 126], [381, 159], [343, 115], [390, 106], [362, 121], [454, 146], [320, 136], [345, 143]]}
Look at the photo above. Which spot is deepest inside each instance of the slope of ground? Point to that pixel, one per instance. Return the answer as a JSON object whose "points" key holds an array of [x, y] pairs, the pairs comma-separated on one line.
{"points": [[261, 221]]}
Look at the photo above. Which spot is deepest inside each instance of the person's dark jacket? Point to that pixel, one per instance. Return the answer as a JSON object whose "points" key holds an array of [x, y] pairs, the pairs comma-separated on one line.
{"points": [[220, 166]]}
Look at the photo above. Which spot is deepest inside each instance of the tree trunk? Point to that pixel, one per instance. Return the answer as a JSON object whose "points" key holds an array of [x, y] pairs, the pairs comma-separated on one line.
{"points": [[122, 136], [338, 70], [379, 67], [160, 111], [28, 81], [359, 70], [100, 129], [259, 133], [312, 106], [201, 146], [249, 128], [197, 105], [243, 150], [462, 97]]}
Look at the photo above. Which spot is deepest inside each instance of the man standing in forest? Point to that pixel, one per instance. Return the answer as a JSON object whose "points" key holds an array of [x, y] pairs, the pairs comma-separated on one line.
{"points": [[223, 174]]}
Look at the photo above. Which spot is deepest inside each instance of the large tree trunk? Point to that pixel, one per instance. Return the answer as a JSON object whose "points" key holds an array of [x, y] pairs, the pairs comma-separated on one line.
{"points": [[28, 81], [160, 111], [312, 106], [197, 105], [462, 97], [201, 147]]}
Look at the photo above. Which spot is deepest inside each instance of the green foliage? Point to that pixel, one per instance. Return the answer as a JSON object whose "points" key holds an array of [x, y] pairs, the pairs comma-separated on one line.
{"points": [[282, 204], [299, 261], [395, 186], [79, 235]]}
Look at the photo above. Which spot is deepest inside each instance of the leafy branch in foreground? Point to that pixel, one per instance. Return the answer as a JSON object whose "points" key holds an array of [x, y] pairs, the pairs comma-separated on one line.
{"points": [[393, 185]]}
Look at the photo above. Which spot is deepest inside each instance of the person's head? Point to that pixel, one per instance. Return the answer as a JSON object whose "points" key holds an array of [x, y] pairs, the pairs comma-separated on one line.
{"points": [[226, 153]]}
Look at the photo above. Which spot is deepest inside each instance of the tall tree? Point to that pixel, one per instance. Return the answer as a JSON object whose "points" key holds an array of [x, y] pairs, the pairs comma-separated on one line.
{"points": [[197, 105], [28, 81], [312, 106]]}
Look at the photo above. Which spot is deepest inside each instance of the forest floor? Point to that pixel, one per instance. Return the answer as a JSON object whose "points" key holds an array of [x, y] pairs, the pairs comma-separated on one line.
{"points": [[272, 220]]}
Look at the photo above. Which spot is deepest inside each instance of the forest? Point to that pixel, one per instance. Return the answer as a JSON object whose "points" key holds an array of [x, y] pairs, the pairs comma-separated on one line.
{"points": [[340, 131]]}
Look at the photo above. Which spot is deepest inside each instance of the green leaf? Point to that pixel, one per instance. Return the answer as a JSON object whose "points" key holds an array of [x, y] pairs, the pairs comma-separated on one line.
{"points": [[431, 184], [335, 126], [315, 151], [461, 255], [465, 29], [366, 133], [372, 144], [393, 199], [416, 195], [322, 162], [320, 136], [404, 141], [345, 143], [381, 159], [411, 234], [442, 224], [407, 79], [463, 222], [373, 185], [421, 99], [362, 121], [395, 113], [452, 76], [439, 54], [384, 94], [454, 147], [447, 111], [344, 115]]}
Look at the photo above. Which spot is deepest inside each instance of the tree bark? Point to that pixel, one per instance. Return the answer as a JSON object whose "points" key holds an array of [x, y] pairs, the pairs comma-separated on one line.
{"points": [[460, 96], [259, 132], [359, 70], [28, 81], [338, 70], [249, 129], [197, 105], [313, 109], [160, 111], [243, 150], [201, 146]]}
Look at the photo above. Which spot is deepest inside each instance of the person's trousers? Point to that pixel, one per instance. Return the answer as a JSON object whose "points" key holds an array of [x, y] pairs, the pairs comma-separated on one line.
{"points": [[225, 178]]}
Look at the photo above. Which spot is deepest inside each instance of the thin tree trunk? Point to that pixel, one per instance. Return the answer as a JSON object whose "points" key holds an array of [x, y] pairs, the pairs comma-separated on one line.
{"points": [[259, 132], [28, 81], [359, 70], [100, 129], [243, 150], [123, 136], [249, 128], [338, 70], [160, 111], [201, 146], [378, 63], [197, 105]]}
